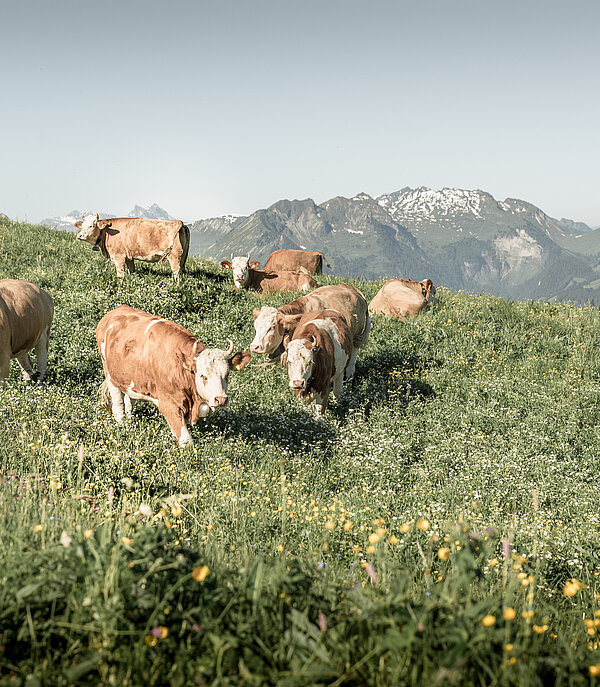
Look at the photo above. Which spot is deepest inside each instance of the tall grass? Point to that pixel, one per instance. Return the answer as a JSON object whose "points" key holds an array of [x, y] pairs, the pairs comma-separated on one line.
{"points": [[439, 525]]}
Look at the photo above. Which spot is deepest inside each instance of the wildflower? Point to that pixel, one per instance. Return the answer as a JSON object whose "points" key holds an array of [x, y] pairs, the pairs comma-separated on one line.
{"points": [[540, 629], [145, 510], [160, 632], [488, 620], [508, 648], [200, 573], [150, 640], [394, 541], [370, 549], [280, 548], [404, 528], [378, 522], [330, 525], [594, 670], [37, 528], [176, 510], [374, 538], [127, 541], [529, 613], [356, 549], [493, 562], [65, 539], [509, 613], [423, 523], [348, 525], [88, 533], [511, 661], [443, 553], [572, 587]]}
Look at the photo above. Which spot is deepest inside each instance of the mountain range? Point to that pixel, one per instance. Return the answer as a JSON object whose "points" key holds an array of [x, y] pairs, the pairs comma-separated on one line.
{"points": [[67, 222], [462, 239]]}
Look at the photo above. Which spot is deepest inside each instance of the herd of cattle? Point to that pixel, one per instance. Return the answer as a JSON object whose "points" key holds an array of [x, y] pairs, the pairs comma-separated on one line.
{"points": [[146, 357]]}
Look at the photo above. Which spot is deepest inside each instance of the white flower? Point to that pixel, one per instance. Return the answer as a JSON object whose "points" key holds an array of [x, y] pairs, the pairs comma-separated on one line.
{"points": [[65, 539]]}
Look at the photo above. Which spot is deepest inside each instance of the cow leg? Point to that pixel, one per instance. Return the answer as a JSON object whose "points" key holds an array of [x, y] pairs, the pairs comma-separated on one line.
{"points": [[128, 406], [338, 389], [130, 264], [41, 352], [116, 396], [174, 417], [4, 365], [321, 404], [26, 367], [119, 264], [351, 366], [175, 260]]}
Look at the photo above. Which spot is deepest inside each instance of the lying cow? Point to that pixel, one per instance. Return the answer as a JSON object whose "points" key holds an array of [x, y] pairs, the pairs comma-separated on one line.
{"points": [[125, 239], [403, 298], [317, 356], [26, 313], [272, 324], [296, 260], [152, 359], [246, 275]]}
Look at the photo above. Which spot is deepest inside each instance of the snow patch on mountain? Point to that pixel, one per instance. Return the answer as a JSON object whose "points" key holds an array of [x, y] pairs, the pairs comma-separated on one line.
{"points": [[426, 204]]}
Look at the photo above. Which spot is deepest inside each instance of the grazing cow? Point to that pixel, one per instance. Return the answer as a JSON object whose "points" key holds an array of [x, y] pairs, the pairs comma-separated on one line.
{"points": [[125, 239], [403, 298], [295, 260], [271, 324], [149, 358], [26, 313], [317, 356], [246, 275]]}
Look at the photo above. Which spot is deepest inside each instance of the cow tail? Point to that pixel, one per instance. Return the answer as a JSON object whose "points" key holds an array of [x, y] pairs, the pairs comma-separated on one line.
{"points": [[325, 260], [362, 338], [185, 230], [105, 398]]}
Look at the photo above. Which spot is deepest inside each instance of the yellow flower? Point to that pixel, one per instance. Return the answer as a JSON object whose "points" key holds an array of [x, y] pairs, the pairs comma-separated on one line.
{"points": [[423, 523], [150, 640], [378, 522], [88, 533], [511, 661], [348, 525], [493, 562], [200, 573], [330, 525], [572, 587], [37, 528], [280, 548], [594, 670], [393, 540], [508, 648], [540, 629], [509, 613], [443, 553], [356, 549], [404, 528], [528, 614], [370, 549], [488, 621], [127, 541], [374, 538], [176, 510]]}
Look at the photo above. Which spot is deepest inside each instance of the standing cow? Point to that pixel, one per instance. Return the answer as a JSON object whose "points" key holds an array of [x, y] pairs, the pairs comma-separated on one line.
{"points": [[317, 356], [296, 260], [403, 298], [125, 239], [271, 324], [153, 359], [26, 313], [246, 275]]}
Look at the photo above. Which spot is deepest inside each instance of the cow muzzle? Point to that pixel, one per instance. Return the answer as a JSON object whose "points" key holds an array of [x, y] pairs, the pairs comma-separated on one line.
{"points": [[255, 349], [297, 384], [219, 401]]}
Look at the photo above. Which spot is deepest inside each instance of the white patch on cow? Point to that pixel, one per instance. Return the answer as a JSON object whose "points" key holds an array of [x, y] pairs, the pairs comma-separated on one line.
{"points": [[89, 229], [212, 372], [185, 438], [339, 354], [299, 362], [103, 344], [153, 323], [240, 268], [267, 338], [139, 397]]}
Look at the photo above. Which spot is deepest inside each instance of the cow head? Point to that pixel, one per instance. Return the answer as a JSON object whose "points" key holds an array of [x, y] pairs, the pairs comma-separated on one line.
{"points": [[428, 290], [212, 372], [269, 331], [300, 361], [88, 229], [240, 267]]}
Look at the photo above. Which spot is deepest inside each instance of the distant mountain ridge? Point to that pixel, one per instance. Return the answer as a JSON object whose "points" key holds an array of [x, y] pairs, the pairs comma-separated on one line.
{"points": [[67, 222], [464, 239]]}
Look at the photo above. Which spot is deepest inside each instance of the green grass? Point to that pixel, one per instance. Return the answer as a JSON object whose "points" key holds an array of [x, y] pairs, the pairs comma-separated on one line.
{"points": [[365, 549]]}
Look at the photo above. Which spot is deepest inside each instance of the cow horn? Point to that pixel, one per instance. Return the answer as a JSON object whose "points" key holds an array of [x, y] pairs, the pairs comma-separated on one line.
{"points": [[82, 216], [249, 254], [231, 258], [230, 349]]}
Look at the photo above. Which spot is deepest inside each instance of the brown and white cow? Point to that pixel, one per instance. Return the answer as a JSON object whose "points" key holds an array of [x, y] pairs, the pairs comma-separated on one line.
{"points": [[246, 275], [153, 359], [317, 356], [295, 260], [125, 239], [271, 324], [26, 313], [403, 298]]}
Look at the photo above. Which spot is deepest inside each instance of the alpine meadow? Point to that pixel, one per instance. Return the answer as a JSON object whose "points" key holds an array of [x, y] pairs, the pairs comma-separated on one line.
{"points": [[438, 525]]}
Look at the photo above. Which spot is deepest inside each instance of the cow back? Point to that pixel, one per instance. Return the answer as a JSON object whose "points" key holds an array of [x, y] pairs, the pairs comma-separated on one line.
{"points": [[399, 298], [293, 260], [136, 237], [26, 311]]}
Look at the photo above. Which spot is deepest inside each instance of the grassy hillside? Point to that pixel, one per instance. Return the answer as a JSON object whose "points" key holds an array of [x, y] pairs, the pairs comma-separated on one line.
{"points": [[440, 525]]}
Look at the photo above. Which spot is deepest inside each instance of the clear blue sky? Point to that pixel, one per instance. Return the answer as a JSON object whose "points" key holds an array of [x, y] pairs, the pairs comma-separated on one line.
{"points": [[229, 106]]}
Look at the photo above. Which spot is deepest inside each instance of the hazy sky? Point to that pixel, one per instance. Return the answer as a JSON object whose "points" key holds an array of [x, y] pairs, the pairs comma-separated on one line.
{"points": [[229, 106]]}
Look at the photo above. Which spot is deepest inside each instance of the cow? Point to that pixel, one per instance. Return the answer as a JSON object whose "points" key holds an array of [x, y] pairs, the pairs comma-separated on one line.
{"points": [[296, 261], [317, 356], [149, 358], [125, 239], [247, 275], [26, 313], [272, 324], [403, 298]]}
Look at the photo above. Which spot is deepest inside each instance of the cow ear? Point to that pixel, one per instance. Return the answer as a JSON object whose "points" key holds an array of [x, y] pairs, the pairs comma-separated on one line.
{"points": [[286, 341], [97, 217], [79, 224], [255, 264], [255, 313], [239, 360], [288, 322], [226, 264]]}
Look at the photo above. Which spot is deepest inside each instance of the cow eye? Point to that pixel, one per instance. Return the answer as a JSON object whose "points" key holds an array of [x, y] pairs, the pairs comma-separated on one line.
{"points": [[204, 378]]}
